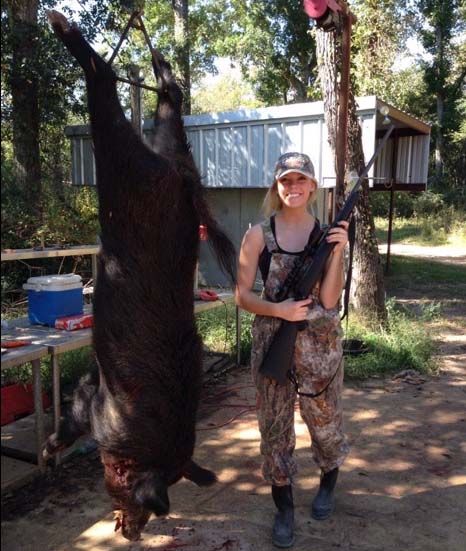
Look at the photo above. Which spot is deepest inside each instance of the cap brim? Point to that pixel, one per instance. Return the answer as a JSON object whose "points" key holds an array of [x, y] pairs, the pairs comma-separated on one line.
{"points": [[303, 172]]}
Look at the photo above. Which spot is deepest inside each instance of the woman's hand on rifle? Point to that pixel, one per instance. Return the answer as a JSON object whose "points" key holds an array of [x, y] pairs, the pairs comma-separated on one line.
{"points": [[339, 236], [293, 310], [332, 283]]}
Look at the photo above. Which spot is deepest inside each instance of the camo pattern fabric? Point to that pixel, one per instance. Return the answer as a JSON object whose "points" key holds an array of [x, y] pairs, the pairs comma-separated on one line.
{"points": [[318, 356]]}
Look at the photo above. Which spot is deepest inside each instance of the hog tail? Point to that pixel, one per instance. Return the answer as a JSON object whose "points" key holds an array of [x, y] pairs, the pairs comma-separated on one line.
{"points": [[219, 242]]}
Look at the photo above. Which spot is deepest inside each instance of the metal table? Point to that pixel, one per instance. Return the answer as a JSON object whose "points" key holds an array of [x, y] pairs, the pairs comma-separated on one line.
{"points": [[31, 353]]}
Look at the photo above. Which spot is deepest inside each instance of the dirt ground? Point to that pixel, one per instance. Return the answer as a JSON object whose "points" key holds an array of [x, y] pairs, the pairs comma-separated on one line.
{"points": [[403, 487]]}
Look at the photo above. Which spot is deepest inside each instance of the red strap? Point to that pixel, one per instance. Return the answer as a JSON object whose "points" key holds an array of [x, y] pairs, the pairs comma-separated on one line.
{"points": [[15, 344]]}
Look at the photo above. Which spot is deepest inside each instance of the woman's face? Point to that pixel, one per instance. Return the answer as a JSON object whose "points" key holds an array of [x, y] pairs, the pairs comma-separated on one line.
{"points": [[294, 189]]}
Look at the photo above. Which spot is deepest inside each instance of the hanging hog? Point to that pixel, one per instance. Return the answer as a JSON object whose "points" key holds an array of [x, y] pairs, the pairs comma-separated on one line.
{"points": [[141, 404]]}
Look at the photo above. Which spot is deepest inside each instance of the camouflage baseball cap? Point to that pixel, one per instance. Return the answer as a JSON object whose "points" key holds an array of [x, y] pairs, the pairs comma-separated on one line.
{"points": [[294, 162]]}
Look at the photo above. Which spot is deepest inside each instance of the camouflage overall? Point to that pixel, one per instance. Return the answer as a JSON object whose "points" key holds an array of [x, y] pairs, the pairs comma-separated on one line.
{"points": [[318, 354]]}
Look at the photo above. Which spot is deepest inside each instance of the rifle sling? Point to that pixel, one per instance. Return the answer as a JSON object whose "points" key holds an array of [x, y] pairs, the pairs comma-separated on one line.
{"points": [[352, 238], [292, 377]]}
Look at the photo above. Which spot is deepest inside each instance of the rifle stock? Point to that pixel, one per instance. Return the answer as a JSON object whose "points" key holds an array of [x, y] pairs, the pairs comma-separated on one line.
{"points": [[279, 357], [280, 353]]}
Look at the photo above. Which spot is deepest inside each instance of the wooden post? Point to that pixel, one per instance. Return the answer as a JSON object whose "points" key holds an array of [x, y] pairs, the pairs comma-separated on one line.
{"points": [[238, 335], [390, 221], [39, 412], [392, 200], [342, 132], [56, 400], [136, 98]]}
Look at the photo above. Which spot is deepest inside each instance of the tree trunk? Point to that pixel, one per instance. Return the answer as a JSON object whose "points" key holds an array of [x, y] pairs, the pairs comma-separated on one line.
{"points": [[368, 284], [440, 105], [24, 91], [368, 290], [181, 39], [328, 63]]}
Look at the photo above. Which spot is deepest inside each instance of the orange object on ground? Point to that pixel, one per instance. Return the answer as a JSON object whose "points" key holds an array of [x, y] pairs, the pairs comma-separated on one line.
{"points": [[15, 344], [71, 323]]}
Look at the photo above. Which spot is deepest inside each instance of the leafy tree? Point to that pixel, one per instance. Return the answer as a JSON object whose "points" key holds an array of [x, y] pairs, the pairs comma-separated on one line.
{"points": [[22, 79], [227, 94], [378, 39], [41, 92], [368, 287], [443, 37], [271, 42]]}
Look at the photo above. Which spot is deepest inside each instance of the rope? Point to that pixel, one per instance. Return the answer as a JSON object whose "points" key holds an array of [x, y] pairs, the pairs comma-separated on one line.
{"points": [[134, 15]]}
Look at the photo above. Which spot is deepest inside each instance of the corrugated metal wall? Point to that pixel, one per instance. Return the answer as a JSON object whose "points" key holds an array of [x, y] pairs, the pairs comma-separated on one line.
{"points": [[411, 162], [239, 149]]}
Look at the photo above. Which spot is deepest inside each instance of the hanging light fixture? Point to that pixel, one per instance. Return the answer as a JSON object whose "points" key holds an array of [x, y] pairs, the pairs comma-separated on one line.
{"points": [[384, 110]]}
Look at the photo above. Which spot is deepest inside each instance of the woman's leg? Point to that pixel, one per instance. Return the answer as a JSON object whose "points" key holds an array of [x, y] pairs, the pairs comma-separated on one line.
{"points": [[323, 416], [275, 409]]}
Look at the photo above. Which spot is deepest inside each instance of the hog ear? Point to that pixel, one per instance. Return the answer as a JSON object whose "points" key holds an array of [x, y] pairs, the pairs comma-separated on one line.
{"points": [[151, 493], [198, 475]]}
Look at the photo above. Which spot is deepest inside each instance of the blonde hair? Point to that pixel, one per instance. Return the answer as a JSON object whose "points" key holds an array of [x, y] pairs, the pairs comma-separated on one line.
{"points": [[272, 202]]}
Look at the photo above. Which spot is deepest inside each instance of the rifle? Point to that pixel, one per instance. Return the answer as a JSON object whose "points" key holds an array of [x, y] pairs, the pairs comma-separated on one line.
{"points": [[279, 357]]}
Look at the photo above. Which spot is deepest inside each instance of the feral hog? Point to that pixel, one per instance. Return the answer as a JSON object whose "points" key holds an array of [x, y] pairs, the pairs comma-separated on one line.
{"points": [[141, 405]]}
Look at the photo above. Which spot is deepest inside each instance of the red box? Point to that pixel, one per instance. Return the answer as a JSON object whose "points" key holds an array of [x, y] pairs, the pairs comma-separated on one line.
{"points": [[71, 323], [18, 401]]}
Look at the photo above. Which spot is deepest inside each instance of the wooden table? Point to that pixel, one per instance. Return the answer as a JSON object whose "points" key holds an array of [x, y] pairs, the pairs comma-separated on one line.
{"points": [[53, 252], [48, 341]]}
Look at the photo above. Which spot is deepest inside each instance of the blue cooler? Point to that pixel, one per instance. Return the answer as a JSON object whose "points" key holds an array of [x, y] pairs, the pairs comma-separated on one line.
{"points": [[54, 296]]}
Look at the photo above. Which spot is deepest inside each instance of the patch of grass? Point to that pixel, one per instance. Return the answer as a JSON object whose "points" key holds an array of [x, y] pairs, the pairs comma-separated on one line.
{"points": [[447, 227], [217, 328], [406, 343], [407, 272], [403, 230]]}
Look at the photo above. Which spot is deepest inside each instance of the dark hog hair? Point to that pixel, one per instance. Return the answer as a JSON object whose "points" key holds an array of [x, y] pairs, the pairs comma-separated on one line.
{"points": [[141, 404]]}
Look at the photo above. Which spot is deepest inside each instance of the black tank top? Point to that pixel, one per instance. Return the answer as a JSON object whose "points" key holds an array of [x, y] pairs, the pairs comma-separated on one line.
{"points": [[266, 255]]}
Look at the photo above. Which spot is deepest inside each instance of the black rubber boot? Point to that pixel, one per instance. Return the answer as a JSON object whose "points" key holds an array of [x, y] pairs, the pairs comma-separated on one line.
{"points": [[324, 503], [284, 519]]}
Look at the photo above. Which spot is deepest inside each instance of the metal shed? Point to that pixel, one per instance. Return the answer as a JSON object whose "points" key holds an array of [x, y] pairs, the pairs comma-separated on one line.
{"points": [[235, 153]]}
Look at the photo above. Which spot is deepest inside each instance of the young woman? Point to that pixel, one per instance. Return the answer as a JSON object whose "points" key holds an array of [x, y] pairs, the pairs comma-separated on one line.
{"points": [[274, 246]]}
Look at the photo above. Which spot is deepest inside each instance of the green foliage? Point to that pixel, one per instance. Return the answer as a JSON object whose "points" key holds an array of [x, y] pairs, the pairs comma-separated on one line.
{"points": [[406, 205], [446, 227], [379, 37], [409, 273], [218, 330], [404, 344], [271, 42], [70, 219], [428, 203], [227, 94], [444, 37], [73, 365]]}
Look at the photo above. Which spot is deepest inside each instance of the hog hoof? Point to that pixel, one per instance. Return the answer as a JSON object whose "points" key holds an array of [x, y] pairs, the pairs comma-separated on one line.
{"points": [[51, 447], [58, 21]]}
